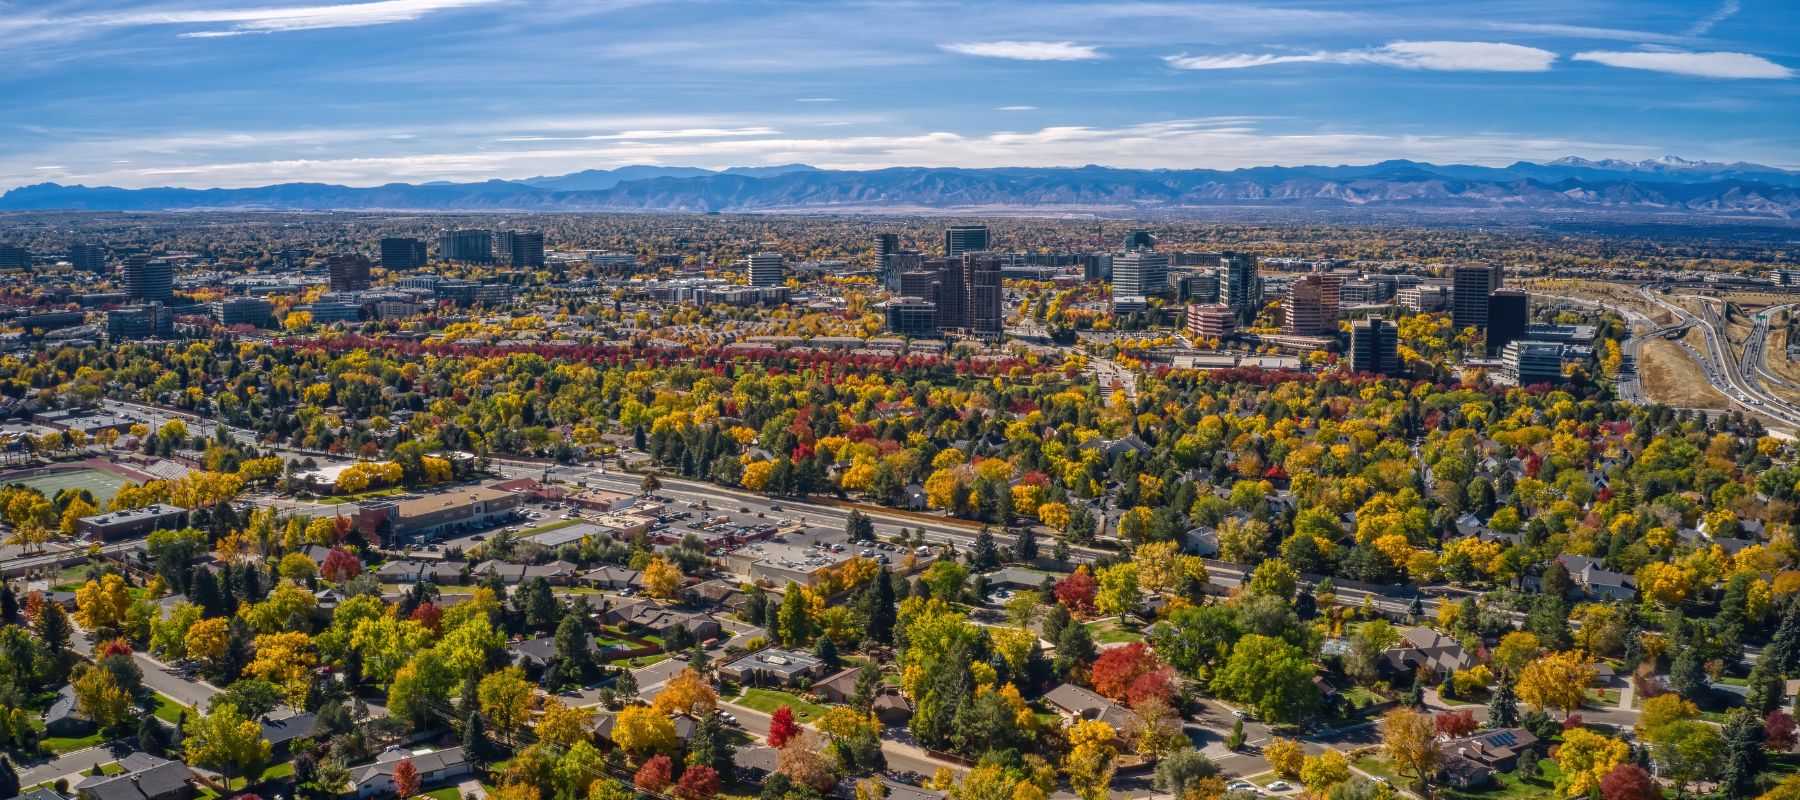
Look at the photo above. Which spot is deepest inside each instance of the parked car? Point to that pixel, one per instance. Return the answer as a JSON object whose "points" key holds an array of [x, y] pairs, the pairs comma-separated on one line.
{"points": [[1280, 786]]}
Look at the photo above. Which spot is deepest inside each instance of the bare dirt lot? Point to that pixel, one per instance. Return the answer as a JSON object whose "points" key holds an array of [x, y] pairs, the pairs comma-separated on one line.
{"points": [[1672, 378]]}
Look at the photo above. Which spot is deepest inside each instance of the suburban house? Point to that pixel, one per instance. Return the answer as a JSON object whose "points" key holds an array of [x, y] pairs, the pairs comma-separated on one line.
{"points": [[1424, 648], [892, 707], [773, 667], [558, 573], [1075, 703], [655, 618], [684, 726], [434, 766], [613, 577], [145, 777], [1473, 760], [406, 570], [1597, 581], [62, 719], [840, 687], [282, 726], [535, 654]]}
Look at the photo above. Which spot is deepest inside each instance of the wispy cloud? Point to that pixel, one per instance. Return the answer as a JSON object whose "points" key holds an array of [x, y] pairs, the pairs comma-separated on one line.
{"points": [[1726, 10], [1016, 108], [815, 99], [1440, 55], [684, 133], [1027, 51], [239, 21], [1703, 65]]}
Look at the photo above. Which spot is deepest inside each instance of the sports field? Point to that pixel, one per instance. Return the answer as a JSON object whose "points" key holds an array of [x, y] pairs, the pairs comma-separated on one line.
{"points": [[100, 483]]}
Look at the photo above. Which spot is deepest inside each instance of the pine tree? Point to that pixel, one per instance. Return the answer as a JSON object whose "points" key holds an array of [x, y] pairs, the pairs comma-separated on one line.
{"points": [[1503, 709], [826, 651], [1743, 754], [984, 555], [1688, 674], [881, 610], [54, 627], [150, 736], [9, 605], [710, 746], [858, 527], [474, 739], [1027, 547], [9, 777]]}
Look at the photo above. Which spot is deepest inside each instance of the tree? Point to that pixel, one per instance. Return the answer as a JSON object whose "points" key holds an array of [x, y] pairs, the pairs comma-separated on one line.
{"points": [[803, 761], [1154, 727], [1503, 707], [406, 779], [1688, 750], [1183, 770], [1687, 674], [1556, 680], [1455, 724], [1118, 669], [1285, 756], [226, 740], [710, 745], [103, 605], [795, 623], [562, 724], [782, 727], [9, 777], [1779, 731], [1629, 782], [641, 731], [1270, 675], [654, 775], [99, 698], [286, 659], [1118, 594], [1323, 771], [1584, 759], [1089, 763], [1744, 756], [687, 693], [506, 699], [1076, 592], [699, 782], [340, 566], [1410, 740], [662, 579]]}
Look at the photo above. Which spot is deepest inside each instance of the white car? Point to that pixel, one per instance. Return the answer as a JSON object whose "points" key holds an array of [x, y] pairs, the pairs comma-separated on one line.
{"points": [[1280, 786], [1240, 784], [1240, 713]]}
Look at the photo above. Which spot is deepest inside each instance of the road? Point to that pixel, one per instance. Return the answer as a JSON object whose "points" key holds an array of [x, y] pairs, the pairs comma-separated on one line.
{"points": [[1724, 372], [160, 677]]}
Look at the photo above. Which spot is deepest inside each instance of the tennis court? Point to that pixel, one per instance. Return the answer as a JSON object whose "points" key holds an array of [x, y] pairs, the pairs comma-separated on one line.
{"points": [[102, 484]]}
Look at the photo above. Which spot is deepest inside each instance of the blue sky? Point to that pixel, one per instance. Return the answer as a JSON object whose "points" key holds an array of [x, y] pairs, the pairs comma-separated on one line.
{"points": [[247, 92]]}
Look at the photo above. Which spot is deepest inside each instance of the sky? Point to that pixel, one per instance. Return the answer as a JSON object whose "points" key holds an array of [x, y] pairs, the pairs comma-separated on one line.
{"points": [[232, 93]]}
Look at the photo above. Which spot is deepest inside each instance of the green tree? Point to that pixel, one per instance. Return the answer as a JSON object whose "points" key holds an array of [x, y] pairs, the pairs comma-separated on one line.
{"points": [[1270, 675]]}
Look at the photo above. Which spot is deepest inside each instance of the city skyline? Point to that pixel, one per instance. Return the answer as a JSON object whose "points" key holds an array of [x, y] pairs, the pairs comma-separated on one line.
{"points": [[212, 93]]}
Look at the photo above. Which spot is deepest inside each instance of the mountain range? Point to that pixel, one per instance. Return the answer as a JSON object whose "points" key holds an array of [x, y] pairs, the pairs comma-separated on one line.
{"points": [[1666, 185]]}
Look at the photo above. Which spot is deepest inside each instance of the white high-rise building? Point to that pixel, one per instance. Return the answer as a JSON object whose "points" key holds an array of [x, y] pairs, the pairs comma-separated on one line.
{"points": [[764, 269], [1140, 274]]}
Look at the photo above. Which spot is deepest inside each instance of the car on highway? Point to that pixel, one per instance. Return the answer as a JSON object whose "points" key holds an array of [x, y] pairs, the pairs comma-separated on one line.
{"points": [[1240, 713]]}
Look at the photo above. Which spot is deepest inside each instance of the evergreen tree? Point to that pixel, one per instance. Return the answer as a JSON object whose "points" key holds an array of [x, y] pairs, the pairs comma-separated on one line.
{"points": [[826, 651], [1415, 697], [9, 605], [150, 736], [1765, 689], [858, 527], [474, 738], [795, 625], [54, 627], [9, 777], [1503, 708], [203, 589], [1074, 647], [1743, 753], [1026, 550], [983, 555], [882, 612], [572, 650], [711, 746], [1688, 674]]}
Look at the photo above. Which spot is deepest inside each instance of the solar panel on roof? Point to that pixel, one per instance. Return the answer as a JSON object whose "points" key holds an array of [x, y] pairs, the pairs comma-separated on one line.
{"points": [[1504, 739]]}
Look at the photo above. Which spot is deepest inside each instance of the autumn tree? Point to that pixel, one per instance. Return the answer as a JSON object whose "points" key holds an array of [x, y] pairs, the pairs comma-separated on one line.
{"points": [[1556, 680], [1455, 724], [1584, 759], [1285, 756], [641, 731], [406, 779], [103, 604], [1629, 782], [654, 775], [1410, 740], [662, 579], [782, 727], [226, 740], [1089, 762], [698, 782], [506, 699], [687, 693]]}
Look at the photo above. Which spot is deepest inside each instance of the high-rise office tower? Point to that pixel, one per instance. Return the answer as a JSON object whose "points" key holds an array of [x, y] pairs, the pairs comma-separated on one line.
{"points": [[149, 279], [1240, 284], [521, 248], [1311, 307], [981, 291], [401, 253], [959, 239], [1470, 287], [464, 245], [13, 256], [1139, 239], [1140, 273], [1507, 313], [953, 301], [1375, 346], [87, 257], [886, 245], [349, 273], [765, 269]]}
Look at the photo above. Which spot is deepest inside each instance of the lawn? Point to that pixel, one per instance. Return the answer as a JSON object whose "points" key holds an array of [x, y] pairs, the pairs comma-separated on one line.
{"points": [[1506, 786], [445, 793], [165, 709], [1360, 697], [644, 661], [1109, 631], [767, 700], [338, 499], [64, 744]]}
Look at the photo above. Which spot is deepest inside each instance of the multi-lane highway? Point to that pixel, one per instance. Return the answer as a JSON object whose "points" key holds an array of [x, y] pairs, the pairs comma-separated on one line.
{"points": [[1735, 378]]}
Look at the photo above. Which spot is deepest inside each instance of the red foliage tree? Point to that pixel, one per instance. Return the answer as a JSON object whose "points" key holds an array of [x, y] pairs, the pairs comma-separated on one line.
{"points": [[1629, 782], [1455, 724], [1117, 670], [406, 779], [1779, 731], [1158, 683], [782, 727], [340, 566], [1077, 592], [699, 782], [430, 616], [655, 774], [1572, 722], [112, 647]]}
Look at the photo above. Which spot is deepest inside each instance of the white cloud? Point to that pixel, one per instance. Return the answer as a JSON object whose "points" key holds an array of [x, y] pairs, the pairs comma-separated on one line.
{"points": [[815, 99], [684, 133], [1704, 65], [1726, 11], [1027, 51], [1435, 55], [1016, 108], [239, 21]]}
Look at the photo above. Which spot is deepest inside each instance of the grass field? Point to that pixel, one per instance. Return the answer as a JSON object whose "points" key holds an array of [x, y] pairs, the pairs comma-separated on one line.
{"points": [[103, 485], [1109, 631], [766, 701]]}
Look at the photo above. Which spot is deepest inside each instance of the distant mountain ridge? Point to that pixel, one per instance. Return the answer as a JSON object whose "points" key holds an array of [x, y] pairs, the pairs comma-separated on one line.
{"points": [[1663, 185]]}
